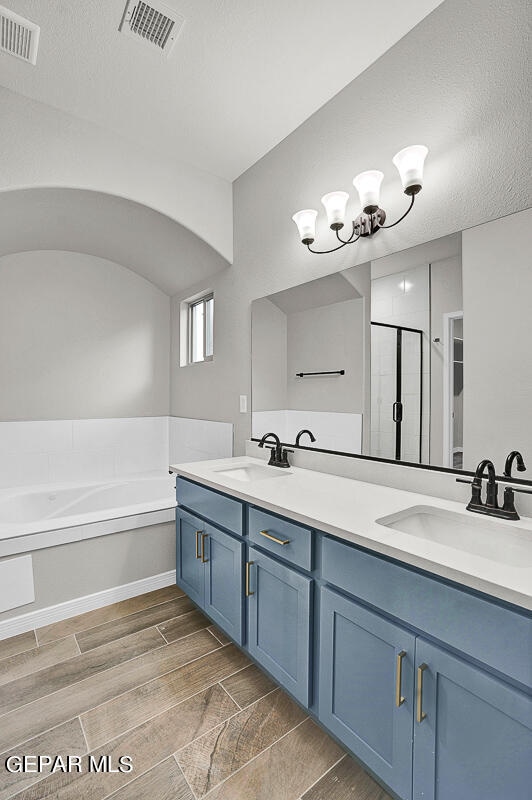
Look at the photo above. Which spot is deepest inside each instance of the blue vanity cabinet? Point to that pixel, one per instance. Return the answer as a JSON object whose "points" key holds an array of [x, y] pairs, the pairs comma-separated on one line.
{"points": [[280, 621], [209, 570], [189, 569], [366, 687], [223, 559], [472, 734]]}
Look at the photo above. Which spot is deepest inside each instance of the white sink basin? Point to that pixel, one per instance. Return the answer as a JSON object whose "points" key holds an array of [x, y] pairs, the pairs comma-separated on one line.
{"points": [[478, 535], [253, 472]]}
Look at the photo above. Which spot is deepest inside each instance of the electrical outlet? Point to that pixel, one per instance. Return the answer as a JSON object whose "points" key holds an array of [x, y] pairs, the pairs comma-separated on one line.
{"points": [[243, 403]]}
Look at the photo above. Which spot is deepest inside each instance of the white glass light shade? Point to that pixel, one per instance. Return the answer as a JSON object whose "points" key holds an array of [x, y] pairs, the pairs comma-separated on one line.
{"points": [[409, 162], [306, 224], [335, 203], [368, 186]]}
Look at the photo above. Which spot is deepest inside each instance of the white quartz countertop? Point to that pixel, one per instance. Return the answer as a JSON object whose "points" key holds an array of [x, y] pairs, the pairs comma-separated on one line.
{"points": [[349, 509]]}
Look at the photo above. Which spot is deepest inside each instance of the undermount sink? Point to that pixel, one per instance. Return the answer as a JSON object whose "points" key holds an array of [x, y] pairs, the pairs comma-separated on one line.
{"points": [[478, 536], [252, 472]]}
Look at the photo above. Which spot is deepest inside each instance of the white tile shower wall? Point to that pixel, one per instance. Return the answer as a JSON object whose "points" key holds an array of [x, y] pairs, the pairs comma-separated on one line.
{"points": [[199, 440], [333, 430]]}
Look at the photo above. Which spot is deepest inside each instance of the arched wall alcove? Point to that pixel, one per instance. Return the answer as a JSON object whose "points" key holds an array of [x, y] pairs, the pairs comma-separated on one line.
{"points": [[85, 312], [84, 221]]}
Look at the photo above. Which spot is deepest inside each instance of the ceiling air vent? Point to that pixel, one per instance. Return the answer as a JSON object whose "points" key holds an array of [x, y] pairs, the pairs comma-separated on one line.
{"points": [[18, 36], [153, 22]]}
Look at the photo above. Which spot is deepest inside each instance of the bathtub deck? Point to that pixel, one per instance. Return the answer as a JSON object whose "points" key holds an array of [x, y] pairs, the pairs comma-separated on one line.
{"points": [[152, 678]]}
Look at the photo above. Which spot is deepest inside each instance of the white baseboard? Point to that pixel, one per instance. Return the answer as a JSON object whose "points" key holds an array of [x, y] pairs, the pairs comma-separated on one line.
{"points": [[79, 605]]}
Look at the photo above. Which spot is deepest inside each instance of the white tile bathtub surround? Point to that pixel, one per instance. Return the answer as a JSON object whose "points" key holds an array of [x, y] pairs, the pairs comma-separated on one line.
{"points": [[199, 439], [55, 451], [411, 479], [333, 430]]}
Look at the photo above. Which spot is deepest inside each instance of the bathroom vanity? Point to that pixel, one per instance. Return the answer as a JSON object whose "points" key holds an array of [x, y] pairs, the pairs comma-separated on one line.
{"points": [[413, 651]]}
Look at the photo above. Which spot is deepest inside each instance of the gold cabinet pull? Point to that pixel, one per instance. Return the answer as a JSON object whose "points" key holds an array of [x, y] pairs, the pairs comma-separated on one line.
{"points": [[274, 538], [420, 714], [248, 591], [198, 554], [203, 537], [399, 699]]}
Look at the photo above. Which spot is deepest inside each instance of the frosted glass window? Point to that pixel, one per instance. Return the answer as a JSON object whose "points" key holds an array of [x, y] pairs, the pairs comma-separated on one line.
{"points": [[201, 330]]}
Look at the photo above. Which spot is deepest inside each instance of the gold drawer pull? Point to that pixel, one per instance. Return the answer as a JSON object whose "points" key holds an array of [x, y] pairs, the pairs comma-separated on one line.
{"points": [[203, 537], [399, 699], [420, 714], [274, 538], [198, 554], [248, 565]]}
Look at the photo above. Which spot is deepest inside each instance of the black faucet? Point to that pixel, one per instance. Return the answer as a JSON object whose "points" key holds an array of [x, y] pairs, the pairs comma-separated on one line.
{"points": [[515, 455], [278, 455], [300, 434], [491, 506]]}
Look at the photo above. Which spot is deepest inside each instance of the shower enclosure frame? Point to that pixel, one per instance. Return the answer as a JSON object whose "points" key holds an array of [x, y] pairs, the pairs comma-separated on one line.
{"points": [[397, 409]]}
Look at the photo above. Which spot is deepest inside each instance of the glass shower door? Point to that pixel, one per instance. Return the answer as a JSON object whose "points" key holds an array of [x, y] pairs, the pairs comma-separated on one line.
{"points": [[396, 392]]}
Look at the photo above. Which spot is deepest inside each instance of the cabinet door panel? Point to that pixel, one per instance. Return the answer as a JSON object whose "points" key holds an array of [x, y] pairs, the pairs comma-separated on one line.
{"points": [[189, 569], [280, 623], [476, 740], [357, 687], [223, 581]]}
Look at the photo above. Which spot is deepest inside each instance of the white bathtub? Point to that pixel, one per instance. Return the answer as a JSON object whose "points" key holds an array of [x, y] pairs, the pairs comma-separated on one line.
{"points": [[67, 510]]}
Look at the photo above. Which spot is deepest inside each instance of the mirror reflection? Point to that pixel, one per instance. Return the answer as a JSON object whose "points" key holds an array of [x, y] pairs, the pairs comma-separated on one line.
{"points": [[375, 359]]}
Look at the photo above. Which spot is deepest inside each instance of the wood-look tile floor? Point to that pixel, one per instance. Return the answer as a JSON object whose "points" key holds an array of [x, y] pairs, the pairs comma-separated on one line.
{"points": [[153, 679]]}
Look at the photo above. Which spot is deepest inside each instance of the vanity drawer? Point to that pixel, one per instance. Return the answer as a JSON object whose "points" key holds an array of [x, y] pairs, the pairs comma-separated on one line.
{"points": [[492, 633], [216, 507], [288, 540]]}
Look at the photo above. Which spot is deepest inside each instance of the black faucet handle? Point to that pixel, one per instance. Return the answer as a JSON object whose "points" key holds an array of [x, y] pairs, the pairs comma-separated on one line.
{"points": [[464, 480]]}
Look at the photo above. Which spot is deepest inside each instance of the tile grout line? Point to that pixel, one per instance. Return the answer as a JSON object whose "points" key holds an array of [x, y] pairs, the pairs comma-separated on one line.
{"points": [[164, 711], [344, 755], [192, 792], [71, 685], [46, 730], [39, 669], [83, 732], [217, 639], [210, 686], [156, 677], [219, 724], [102, 672], [118, 619], [116, 639], [34, 646], [220, 684], [255, 757], [162, 634]]}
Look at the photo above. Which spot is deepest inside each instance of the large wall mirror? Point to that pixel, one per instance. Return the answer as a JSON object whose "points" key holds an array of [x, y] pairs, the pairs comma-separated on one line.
{"points": [[423, 356]]}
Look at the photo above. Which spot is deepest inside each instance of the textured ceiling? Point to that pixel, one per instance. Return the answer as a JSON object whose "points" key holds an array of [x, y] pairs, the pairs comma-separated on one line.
{"points": [[243, 73], [154, 246]]}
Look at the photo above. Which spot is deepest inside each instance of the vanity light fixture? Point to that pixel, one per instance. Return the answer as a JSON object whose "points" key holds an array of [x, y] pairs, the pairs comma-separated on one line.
{"points": [[409, 163]]}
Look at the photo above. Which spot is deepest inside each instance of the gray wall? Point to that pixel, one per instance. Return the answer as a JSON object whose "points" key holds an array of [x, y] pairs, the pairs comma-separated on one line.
{"points": [[327, 338], [497, 281], [269, 356], [80, 337], [456, 83], [77, 569], [445, 296]]}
